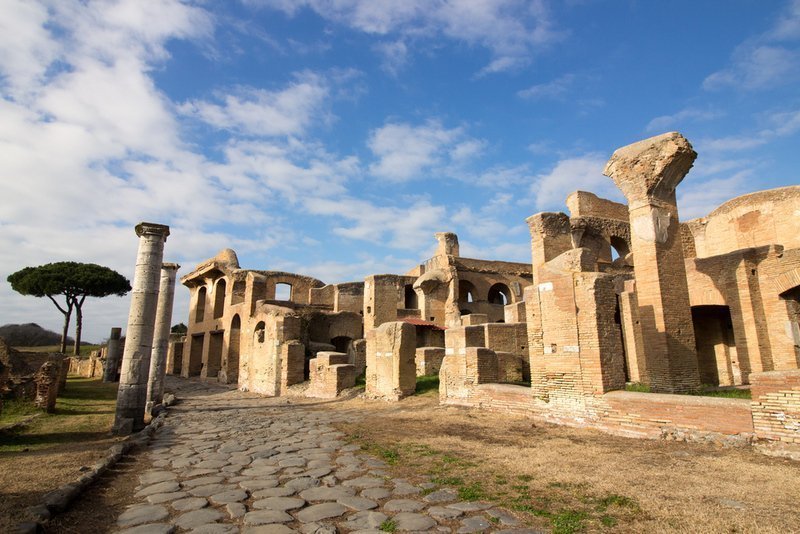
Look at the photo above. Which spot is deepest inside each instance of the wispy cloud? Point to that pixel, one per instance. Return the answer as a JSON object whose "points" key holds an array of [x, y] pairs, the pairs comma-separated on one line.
{"points": [[553, 89], [664, 122], [766, 60], [254, 111], [512, 30]]}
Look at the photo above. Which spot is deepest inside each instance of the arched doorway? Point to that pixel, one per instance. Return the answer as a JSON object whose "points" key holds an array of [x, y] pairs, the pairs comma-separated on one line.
{"points": [[200, 305], [234, 342], [717, 359], [219, 299]]}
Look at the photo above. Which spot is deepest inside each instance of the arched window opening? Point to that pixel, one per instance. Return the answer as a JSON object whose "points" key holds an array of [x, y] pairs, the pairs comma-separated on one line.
{"points": [[499, 294], [259, 332], [283, 291], [342, 343], [200, 306], [619, 248], [411, 302], [466, 291], [219, 299]]}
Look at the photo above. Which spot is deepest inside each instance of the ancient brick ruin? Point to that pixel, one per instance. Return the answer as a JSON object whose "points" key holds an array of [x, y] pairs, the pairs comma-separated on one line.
{"points": [[615, 293]]}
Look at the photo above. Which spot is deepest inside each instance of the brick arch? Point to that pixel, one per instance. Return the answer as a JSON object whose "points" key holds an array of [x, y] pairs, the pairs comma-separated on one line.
{"points": [[787, 281]]}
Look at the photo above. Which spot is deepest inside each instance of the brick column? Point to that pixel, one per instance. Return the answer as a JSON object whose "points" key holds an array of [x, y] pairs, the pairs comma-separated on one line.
{"points": [[112, 356], [158, 360], [132, 394], [647, 173]]}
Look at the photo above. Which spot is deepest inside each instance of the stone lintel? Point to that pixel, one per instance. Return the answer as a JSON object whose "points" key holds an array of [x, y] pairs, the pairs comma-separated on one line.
{"points": [[651, 168]]}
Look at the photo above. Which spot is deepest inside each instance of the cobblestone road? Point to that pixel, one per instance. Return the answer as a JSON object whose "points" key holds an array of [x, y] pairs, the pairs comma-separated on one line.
{"points": [[227, 462]]}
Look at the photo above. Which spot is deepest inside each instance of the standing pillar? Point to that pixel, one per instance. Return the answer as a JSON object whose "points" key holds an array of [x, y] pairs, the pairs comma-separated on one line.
{"points": [[132, 394], [112, 356], [647, 173], [158, 360]]}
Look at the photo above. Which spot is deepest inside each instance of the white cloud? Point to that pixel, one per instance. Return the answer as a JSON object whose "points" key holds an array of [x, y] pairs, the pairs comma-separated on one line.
{"points": [[552, 89], [259, 112], [665, 122], [405, 152], [766, 60], [512, 30], [698, 198], [395, 56], [584, 173], [407, 227]]}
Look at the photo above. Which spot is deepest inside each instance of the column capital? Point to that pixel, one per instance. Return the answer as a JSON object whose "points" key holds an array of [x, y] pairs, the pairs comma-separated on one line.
{"points": [[146, 228], [170, 266], [652, 168]]}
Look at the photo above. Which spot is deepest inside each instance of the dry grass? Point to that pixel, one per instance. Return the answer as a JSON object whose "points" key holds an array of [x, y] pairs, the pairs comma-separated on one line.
{"points": [[576, 479], [53, 448]]}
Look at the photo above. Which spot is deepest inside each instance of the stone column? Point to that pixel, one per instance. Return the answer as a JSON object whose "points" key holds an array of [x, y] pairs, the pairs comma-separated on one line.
{"points": [[648, 172], [132, 394], [158, 360], [112, 356]]}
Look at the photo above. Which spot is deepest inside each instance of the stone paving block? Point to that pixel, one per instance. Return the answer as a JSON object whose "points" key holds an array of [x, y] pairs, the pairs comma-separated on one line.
{"points": [[413, 521], [325, 493], [143, 513], [152, 528], [269, 529], [357, 503], [215, 528], [162, 487], [148, 478], [189, 504], [440, 496], [265, 517], [279, 503], [403, 505], [160, 498], [474, 524], [317, 512], [234, 495], [364, 482], [197, 518], [202, 481], [209, 490], [235, 510], [443, 512], [376, 494]]}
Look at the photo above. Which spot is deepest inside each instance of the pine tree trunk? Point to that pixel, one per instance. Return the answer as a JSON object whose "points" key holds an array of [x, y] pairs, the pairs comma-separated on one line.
{"points": [[78, 329], [65, 330]]}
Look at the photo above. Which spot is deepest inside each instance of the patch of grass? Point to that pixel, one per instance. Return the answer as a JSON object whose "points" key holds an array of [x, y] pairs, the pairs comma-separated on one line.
{"points": [[448, 481], [500, 480], [361, 380], [637, 387], [568, 521], [16, 410], [84, 412], [608, 521], [471, 492], [390, 525], [732, 393], [428, 491], [427, 384], [614, 499], [390, 455], [706, 390], [525, 478]]}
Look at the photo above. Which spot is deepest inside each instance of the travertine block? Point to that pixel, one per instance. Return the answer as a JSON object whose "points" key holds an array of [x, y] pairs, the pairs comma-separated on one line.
{"points": [[391, 370]]}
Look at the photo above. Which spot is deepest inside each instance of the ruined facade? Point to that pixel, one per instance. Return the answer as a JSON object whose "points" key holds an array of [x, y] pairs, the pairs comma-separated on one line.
{"points": [[615, 293]]}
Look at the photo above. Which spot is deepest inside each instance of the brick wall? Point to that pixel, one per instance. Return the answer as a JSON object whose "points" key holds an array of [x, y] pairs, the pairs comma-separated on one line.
{"points": [[776, 410]]}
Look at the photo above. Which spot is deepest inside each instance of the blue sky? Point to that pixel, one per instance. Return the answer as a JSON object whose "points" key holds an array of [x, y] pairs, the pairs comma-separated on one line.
{"points": [[334, 137]]}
